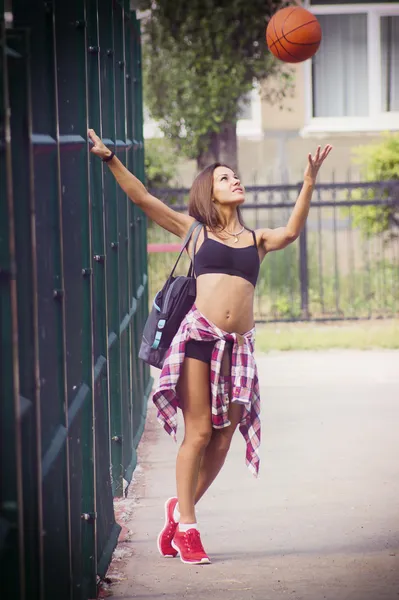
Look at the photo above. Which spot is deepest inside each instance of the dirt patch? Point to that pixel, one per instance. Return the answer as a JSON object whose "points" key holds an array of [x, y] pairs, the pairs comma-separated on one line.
{"points": [[125, 508]]}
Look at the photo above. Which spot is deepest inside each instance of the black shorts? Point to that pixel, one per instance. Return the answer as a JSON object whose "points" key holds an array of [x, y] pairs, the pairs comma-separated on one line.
{"points": [[203, 350]]}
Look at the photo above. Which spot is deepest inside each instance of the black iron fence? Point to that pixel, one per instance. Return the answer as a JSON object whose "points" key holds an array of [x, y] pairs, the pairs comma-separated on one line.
{"points": [[343, 266], [73, 292]]}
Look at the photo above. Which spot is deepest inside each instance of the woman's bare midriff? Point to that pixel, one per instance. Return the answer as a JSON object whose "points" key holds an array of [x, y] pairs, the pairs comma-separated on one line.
{"points": [[226, 301]]}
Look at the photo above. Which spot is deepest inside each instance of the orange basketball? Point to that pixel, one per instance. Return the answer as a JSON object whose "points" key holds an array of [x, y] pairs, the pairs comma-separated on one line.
{"points": [[293, 34]]}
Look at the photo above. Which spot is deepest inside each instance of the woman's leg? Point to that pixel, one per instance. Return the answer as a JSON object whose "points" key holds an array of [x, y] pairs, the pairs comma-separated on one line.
{"points": [[219, 445], [216, 451], [194, 396]]}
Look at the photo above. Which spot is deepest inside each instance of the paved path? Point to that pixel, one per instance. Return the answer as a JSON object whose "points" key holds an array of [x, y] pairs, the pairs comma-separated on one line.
{"points": [[321, 522]]}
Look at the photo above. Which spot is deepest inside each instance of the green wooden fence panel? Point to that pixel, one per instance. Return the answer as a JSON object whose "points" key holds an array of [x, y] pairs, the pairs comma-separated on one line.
{"points": [[11, 518], [73, 292], [29, 417]]}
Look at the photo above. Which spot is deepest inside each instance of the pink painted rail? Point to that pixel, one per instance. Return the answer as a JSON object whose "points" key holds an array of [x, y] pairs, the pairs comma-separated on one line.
{"points": [[154, 248]]}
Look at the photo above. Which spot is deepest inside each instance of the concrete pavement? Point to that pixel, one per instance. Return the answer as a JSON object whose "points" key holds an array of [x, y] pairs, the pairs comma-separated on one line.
{"points": [[322, 520]]}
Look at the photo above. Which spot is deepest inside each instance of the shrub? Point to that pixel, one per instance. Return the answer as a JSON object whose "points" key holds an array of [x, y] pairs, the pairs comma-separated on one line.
{"points": [[378, 162]]}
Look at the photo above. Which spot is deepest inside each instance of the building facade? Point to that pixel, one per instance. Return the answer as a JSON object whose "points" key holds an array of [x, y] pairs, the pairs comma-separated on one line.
{"points": [[348, 95]]}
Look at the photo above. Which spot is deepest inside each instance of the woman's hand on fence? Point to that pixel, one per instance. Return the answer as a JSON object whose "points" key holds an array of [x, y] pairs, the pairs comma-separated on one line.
{"points": [[99, 148], [315, 162]]}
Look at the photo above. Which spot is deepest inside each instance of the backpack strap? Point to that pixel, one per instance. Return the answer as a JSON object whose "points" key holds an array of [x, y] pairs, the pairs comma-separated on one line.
{"points": [[185, 243], [191, 271], [189, 233]]}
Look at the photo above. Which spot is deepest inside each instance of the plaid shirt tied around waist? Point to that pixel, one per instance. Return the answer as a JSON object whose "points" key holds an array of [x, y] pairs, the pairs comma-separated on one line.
{"points": [[244, 381]]}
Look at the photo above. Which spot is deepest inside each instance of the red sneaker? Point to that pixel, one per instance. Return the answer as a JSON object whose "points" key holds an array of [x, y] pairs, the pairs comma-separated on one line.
{"points": [[168, 531], [189, 545]]}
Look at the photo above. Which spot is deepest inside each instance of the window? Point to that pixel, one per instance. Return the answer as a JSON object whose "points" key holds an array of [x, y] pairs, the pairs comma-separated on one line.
{"points": [[249, 124], [340, 74], [150, 127], [390, 63], [245, 107], [353, 80]]}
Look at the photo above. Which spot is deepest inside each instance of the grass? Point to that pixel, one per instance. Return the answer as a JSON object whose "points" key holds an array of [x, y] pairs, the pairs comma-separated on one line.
{"points": [[360, 335]]}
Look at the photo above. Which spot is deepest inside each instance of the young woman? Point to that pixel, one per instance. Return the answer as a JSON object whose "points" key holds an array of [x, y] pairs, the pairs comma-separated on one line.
{"points": [[209, 371]]}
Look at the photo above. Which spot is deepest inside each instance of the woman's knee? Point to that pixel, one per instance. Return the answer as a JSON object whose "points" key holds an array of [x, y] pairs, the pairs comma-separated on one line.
{"points": [[222, 440], [199, 436]]}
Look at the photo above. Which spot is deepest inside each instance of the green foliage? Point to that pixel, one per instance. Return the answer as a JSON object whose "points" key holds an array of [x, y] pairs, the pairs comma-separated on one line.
{"points": [[362, 335], [379, 162], [160, 163], [200, 57]]}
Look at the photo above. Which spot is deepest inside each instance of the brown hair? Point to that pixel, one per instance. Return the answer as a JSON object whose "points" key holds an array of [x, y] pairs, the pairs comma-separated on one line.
{"points": [[200, 205]]}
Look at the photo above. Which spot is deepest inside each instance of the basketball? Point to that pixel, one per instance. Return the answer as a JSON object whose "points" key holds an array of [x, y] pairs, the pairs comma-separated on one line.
{"points": [[293, 34]]}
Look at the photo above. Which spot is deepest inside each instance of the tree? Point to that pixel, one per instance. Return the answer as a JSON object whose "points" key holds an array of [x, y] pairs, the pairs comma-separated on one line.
{"points": [[379, 162], [200, 59], [160, 166]]}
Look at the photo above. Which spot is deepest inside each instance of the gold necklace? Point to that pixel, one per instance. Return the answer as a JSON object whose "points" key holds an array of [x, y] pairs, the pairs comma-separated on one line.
{"points": [[235, 235]]}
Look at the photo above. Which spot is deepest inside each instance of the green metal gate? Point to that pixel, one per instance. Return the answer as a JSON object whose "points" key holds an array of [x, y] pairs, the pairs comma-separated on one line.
{"points": [[73, 292]]}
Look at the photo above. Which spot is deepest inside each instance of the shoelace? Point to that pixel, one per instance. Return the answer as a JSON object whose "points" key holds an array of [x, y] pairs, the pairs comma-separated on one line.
{"points": [[171, 523], [192, 541], [170, 528]]}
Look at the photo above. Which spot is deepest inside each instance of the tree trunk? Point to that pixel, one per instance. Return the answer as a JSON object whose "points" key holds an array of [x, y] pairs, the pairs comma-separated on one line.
{"points": [[222, 147], [228, 145], [211, 154]]}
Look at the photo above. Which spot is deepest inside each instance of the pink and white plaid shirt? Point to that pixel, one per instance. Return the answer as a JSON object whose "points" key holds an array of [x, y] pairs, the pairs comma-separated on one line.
{"points": [[244, 379]]}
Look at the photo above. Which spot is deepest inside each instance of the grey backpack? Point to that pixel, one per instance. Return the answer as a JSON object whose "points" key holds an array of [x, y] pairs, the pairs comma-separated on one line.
{"points": [[170, 306]]}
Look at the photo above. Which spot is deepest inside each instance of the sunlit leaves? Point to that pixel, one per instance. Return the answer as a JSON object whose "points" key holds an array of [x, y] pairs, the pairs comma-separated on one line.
{"points": [[379, 162], [200, 58]]}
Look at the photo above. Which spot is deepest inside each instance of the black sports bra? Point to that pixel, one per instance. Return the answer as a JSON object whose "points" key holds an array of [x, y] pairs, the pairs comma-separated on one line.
{"points": [[216, 257]]}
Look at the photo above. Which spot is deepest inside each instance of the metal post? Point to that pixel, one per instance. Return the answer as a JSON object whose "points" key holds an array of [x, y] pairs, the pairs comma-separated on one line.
{"points": [[108, 79], [303, 273], [11, 507], [28, 350]]}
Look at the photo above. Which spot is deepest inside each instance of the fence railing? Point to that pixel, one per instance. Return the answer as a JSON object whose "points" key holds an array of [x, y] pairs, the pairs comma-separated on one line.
{"points": [[73, 292], [334, 270]]}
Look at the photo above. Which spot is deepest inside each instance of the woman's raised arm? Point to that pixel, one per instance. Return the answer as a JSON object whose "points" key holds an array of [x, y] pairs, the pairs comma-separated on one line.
{"points": [[157, 211], [276, 239]]}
